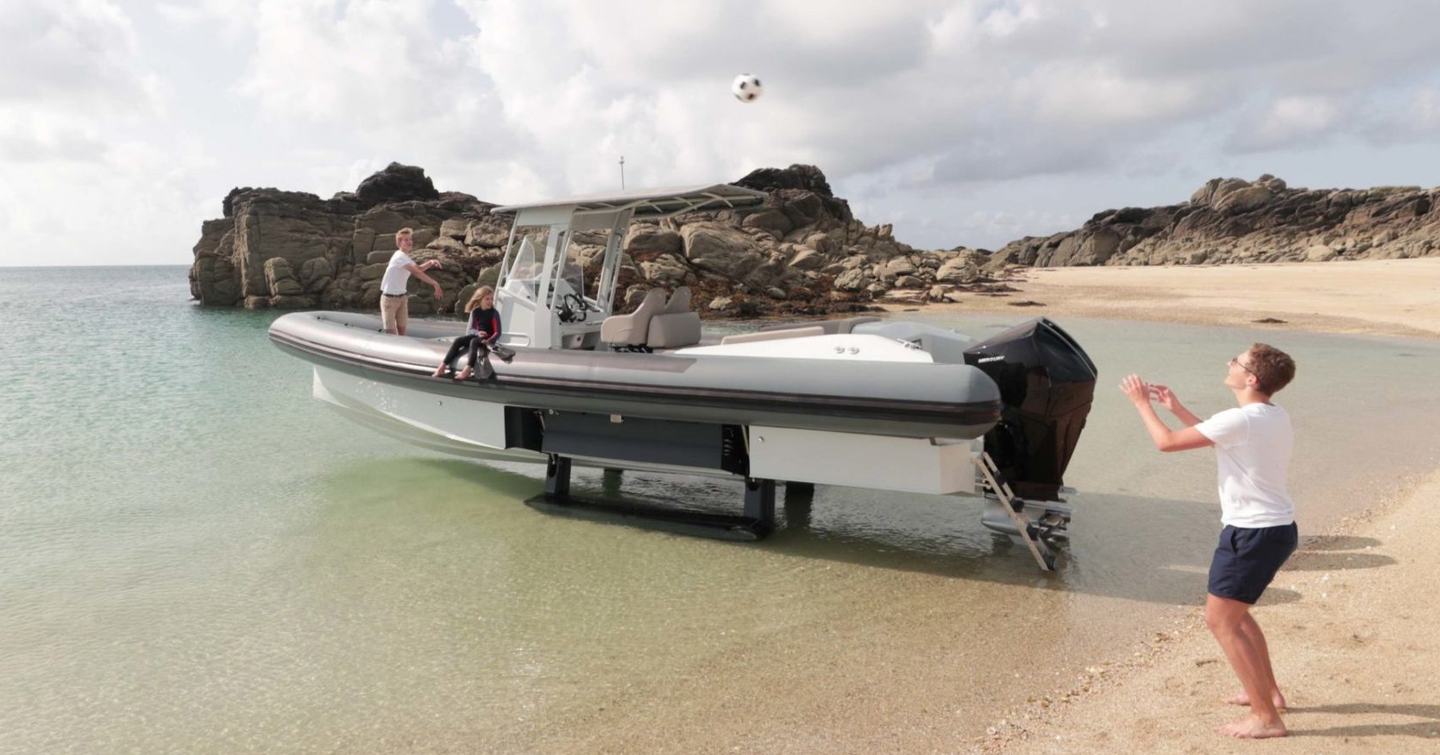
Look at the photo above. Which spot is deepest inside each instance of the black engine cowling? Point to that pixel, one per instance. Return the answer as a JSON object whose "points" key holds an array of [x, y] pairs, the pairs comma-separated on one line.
{"points": [[1047, 384]]}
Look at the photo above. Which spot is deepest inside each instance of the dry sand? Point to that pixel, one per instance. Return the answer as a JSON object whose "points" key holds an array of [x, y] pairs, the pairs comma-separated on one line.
{"points": [[1358, 653], [1356, 657], [1397, 297]]}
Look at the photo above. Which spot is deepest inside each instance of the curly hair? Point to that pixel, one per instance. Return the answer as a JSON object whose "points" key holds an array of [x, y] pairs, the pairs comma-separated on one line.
{"points": [[1273, 368]]}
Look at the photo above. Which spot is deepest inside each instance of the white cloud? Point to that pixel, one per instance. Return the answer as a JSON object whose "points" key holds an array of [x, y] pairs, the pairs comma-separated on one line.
{"points": [[952, 118], [1289, 122]]}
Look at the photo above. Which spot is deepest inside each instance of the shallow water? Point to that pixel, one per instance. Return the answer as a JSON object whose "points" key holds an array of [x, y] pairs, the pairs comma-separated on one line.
{"points": [[194, 554]]}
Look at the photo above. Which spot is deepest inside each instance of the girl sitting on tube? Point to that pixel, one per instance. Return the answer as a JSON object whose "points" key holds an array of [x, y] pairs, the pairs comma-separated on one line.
{"points": [[480, 333]]}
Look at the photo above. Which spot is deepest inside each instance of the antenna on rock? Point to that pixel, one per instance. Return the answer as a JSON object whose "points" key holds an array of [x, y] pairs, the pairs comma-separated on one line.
{"points": [[622, 172]]}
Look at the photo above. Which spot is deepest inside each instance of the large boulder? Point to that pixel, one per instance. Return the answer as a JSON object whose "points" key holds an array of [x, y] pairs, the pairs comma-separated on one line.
{"points": [[396, 183], [807, 177], [649, 238], [280, 278], [771, 220], [958, 270], [665, 271], [721, 248]]}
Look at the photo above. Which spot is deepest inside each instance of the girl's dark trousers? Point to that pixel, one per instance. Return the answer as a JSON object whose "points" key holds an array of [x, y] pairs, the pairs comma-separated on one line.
{"points": [[474, 343]]}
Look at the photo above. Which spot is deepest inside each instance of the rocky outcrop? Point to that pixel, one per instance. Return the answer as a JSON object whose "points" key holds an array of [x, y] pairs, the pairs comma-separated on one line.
{"points": [[802, 252], [1230, 220]]}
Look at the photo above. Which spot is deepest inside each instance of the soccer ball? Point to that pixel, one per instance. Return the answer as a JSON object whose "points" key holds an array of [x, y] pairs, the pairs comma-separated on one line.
{"points": [[746, 88]]}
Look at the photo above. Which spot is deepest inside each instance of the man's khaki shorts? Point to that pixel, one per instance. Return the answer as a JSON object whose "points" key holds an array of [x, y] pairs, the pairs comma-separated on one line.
{"points": [[394, 313]]}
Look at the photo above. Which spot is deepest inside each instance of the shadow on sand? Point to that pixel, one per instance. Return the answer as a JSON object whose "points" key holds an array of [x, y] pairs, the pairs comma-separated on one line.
{"points": [[1428, 728]]}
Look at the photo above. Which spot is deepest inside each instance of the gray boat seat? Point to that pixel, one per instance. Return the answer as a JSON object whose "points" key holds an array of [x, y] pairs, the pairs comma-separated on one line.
{"points": [[634, 328], [676, 325]]}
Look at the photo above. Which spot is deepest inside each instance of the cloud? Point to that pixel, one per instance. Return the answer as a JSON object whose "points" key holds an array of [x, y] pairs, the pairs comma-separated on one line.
{"points": [[68, 51], [959, 120], [1300, 121]]}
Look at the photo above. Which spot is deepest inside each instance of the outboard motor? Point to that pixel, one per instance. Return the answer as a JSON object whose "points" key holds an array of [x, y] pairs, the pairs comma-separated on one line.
{"points": [[1047, 383]]}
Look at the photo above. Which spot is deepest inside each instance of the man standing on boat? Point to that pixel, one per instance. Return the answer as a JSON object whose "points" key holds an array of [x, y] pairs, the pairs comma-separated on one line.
{"points": [[1252, 444], [394, 300]]}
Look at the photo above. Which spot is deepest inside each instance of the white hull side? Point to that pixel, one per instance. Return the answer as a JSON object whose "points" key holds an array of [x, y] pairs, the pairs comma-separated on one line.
{"points": [[473, 429], [476, 429], [912, 465]]}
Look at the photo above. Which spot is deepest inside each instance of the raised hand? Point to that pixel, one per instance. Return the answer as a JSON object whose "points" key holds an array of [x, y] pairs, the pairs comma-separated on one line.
{"points": [[1163, 396], [1135, 389]]}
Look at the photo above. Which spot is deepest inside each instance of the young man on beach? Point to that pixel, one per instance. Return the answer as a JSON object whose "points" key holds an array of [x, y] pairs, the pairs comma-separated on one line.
{"points": [[1252, 446], [394, 301]]}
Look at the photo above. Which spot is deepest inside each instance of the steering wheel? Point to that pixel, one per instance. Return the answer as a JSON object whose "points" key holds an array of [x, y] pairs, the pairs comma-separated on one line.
{"points": [[573, 308]]}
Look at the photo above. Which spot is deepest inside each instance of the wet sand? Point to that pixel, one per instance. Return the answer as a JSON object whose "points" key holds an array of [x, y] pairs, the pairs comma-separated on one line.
{"points": [[1355, 657], [944, 670], [1382, 297], [1355, 651]]}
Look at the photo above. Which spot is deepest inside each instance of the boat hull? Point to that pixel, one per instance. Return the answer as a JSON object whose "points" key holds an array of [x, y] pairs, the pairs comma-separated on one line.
{"points": [[874, 398]]}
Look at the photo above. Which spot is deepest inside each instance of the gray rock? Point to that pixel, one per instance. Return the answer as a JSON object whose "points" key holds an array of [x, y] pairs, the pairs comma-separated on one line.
{"points": [[455, 228], [806, 258], [645, 238], [664, 271], [854, 279], [1244, 199], [909, 281], [771, 220], [396, 183], [721, 249], [280, 278], [958, 270]]}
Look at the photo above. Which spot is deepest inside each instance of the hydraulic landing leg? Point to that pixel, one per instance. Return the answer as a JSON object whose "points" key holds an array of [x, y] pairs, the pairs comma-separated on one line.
{"points": [[757, 520], [760, 505], [557, 476], [1027, 530]]}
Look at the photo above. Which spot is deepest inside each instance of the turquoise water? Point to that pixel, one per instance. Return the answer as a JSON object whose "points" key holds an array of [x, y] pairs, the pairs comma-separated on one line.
{"points": [[196, 555]]}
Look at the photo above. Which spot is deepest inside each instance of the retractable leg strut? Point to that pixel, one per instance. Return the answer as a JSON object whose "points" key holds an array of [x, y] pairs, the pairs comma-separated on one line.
{"points": [[557, 476], [1015, 507], [755, 523], [760, 505]]}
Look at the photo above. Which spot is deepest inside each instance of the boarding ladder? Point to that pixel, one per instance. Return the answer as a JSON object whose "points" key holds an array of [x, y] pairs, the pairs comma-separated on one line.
{"points": [[1035, 534]]}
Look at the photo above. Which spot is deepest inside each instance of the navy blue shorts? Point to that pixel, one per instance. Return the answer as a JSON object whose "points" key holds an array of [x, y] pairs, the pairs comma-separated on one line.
{"points": [[1246, 560]]}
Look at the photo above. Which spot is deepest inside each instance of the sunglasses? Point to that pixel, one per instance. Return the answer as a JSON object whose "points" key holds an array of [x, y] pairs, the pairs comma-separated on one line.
{"points": [[1237, 363]]}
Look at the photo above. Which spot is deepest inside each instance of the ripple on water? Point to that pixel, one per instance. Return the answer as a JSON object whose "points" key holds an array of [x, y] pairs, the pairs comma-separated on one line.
{"points": [[194, 555]]}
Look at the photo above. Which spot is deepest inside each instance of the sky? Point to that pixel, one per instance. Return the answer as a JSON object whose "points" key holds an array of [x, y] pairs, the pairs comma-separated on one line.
{"points": [[961, 122]]}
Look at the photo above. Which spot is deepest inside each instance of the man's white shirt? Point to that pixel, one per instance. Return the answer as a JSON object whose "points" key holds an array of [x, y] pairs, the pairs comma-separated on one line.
{"points": [[1253, 444], [397, 276]]}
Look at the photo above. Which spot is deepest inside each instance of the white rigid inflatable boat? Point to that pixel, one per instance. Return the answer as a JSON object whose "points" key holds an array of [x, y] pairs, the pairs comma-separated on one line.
{"points": [[859, 401]]}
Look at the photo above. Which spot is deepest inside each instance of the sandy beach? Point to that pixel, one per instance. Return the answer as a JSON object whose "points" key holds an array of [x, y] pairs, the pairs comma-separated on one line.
{"points": [[1355, 652], [1381, 297], [1355, 657]]}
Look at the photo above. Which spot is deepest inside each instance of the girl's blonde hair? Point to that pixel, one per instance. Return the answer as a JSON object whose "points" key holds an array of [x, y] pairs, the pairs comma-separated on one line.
{"points": [[480, 293]]}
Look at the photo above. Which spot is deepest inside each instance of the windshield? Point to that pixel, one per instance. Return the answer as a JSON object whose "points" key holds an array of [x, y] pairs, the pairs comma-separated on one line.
{"points": [[523, 276]]}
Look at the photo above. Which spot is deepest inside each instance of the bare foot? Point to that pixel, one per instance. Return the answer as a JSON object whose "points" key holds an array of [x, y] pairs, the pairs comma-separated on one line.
{"points": [[1243, 699], [465, 374], [1251, 727], [439, 371]]}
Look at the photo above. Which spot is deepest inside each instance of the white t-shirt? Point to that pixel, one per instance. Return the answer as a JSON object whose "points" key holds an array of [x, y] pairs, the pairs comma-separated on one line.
{"points": [[396, 276], [1252, 447]]}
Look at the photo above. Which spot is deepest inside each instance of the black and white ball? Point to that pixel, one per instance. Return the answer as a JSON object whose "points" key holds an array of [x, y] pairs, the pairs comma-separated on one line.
{"points": [[746, 88]]}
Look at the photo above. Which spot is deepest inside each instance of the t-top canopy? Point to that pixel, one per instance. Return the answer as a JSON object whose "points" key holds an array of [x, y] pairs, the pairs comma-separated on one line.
{"points": [[654, 203]]}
